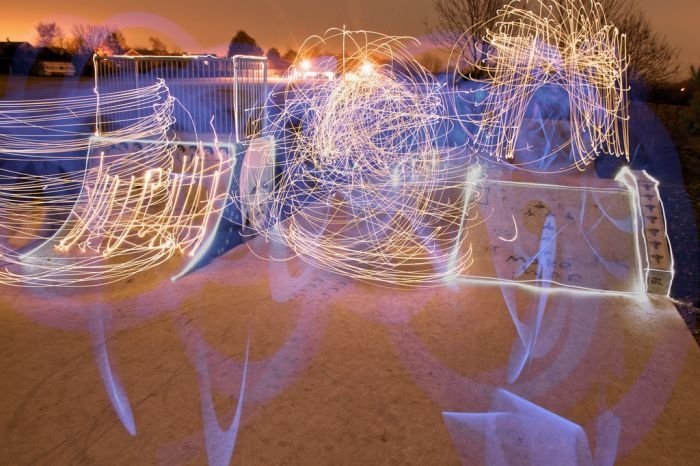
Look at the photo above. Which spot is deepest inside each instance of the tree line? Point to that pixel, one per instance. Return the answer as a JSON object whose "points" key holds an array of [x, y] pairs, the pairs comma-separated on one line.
{"points": [[87, 39], [651, 58]]}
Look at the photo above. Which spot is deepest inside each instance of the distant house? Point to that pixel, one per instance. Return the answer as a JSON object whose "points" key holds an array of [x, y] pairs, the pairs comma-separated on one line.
{"points": [[16, 57], [53, 62]]}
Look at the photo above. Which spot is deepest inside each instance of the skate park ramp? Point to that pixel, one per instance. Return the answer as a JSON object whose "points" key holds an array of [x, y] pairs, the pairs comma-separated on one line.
{"points": [[578, 232]]}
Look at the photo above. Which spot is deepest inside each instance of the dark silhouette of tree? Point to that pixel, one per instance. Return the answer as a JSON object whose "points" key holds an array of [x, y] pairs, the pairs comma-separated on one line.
{"points": [[158, 47], [273, 54], [90, 39], [49, 35], [275, 61], [692, 119], [290, 55], [115, 43], [651, 58], [243, 44]]}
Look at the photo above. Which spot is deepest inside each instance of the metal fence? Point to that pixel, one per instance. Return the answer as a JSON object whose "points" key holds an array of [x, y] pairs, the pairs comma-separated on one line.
{"points": [[222, 96]]}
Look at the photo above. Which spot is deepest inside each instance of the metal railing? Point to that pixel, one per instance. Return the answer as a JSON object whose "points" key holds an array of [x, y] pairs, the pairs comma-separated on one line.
{"points": [[222, 96], [250, 93]]}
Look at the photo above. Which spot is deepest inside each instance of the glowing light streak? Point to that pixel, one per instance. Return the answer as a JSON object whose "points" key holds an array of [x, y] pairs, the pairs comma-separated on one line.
{"points": [[628, 178], [528, 46], [367, 189], [545, 271], [113, 385], [518, 428], [220, 442], [515, 235], [122, 211]]}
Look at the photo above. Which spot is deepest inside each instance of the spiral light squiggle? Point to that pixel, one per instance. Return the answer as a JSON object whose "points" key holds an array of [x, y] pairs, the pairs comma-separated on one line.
{"points": [[364, 185]]}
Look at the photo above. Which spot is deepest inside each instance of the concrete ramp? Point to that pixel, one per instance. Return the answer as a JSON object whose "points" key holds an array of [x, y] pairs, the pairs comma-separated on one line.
{"points": [[574, 232], [138, 207], [560, 233]]}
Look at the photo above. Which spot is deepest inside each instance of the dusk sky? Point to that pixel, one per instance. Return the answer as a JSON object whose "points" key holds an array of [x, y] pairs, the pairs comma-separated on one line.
{"points": [[208, 25]]}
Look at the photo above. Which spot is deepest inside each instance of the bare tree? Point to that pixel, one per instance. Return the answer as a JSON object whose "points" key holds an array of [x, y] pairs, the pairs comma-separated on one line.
{"points": [[90, 38], [49, 35], [462, 24], [651, 57], [692, 117], [85, 39], [115, 42]]}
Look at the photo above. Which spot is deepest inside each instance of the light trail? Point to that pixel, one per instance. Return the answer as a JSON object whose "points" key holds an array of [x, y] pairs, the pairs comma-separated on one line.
{"points": [[515, 234], [124, 210], [367, 189], [530, 45]]}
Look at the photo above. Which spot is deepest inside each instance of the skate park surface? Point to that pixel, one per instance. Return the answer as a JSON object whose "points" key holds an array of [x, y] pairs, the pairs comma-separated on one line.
{"points": [[255, 361]]}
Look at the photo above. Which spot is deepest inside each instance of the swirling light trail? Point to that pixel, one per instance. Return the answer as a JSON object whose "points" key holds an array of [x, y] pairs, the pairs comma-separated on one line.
{"points": [[530, 45], [366, 188], [125, 210]]}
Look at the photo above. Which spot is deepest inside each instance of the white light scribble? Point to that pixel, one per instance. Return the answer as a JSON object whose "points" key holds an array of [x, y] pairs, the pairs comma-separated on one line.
{"points": [[515, 235], [556, 44], [366, 188], [126, 209]]}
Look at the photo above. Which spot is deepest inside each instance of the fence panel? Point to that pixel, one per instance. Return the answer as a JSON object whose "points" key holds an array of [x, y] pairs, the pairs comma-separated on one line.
{"points": [[222, 96], [250, 90]]}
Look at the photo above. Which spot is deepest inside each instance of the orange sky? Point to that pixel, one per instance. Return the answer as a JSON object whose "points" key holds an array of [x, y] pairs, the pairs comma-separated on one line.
{"points": [[207, 25]]}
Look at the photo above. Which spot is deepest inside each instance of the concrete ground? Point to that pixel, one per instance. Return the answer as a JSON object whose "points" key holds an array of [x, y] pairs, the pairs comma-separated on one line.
{"points": [[249, 361]]}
